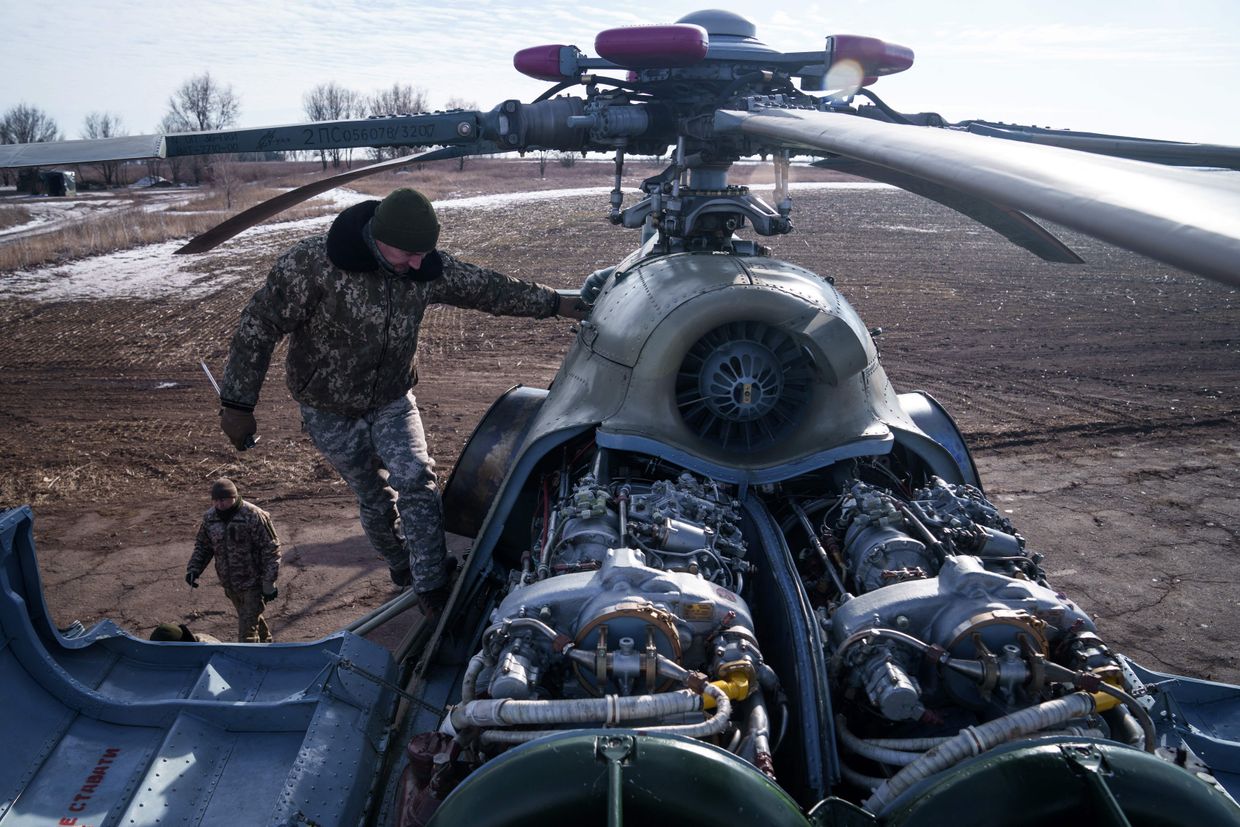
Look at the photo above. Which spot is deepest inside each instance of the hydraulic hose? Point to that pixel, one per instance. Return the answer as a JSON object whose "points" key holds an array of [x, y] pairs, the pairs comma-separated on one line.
{"points": [[1063, 673], [909, 744], [867, 749], [975, 740], [476, 664], [855, 778], [609, 710], [613, 709], [891, 634]]}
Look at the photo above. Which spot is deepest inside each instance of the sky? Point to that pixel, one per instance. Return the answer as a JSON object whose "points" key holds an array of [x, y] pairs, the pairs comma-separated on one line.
{"points": [[1139, 67]]}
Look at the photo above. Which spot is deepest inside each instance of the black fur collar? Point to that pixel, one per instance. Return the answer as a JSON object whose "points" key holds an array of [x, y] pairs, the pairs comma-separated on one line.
{"points": [[348, 250]]}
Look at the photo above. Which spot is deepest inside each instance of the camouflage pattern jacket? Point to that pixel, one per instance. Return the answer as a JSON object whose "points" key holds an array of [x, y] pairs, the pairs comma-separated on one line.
{"points": [[353, 333], [246, 548]]}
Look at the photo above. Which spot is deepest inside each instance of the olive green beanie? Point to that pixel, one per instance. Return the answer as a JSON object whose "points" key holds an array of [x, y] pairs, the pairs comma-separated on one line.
{"points": [[406, 220], [222, 488]]}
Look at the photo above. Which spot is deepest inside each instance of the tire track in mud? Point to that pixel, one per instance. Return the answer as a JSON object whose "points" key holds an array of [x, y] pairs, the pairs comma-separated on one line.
{"points": [[1095, 431]]}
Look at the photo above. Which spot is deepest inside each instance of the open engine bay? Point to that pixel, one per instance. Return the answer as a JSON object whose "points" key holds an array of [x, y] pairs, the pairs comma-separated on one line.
{"points": [[654, 599]]}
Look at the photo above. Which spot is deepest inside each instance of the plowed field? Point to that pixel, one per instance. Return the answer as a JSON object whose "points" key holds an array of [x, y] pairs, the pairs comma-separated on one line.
{"points": [[1101, 401]]}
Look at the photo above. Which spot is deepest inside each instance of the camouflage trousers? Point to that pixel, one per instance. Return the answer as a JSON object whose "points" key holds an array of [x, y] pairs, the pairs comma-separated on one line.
{"points": [[383, 457], [251, 626]]}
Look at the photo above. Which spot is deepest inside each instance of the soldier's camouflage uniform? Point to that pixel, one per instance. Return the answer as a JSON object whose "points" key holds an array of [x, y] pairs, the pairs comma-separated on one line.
{"points": [[246, 551], [353, 338]]}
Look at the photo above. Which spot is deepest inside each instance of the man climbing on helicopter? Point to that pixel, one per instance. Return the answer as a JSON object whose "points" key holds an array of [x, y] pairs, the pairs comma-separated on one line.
{"points": [[351, 303]]}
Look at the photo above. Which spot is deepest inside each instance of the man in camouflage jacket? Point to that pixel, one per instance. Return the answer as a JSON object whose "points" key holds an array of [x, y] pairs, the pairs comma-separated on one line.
{"points": [[351, 303], [243, 542]]}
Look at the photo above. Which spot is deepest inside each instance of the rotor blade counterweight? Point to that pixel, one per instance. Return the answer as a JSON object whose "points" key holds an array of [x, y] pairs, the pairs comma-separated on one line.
{"points": [[1186, 218]]}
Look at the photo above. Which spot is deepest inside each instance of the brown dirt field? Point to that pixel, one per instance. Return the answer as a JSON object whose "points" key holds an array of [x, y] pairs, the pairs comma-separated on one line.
{"points": [[1101, 402]]}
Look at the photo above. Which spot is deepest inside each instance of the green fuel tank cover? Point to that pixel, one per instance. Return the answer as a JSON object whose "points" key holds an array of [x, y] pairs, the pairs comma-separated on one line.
{"points": [[570, 778], [1063, 781]]}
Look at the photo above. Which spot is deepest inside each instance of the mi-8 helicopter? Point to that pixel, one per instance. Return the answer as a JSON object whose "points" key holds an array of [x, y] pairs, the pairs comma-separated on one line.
{"points": [[720, 565]]}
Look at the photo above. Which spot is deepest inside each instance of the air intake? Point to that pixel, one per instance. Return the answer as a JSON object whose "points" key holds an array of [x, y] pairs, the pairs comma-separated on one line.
{"points": [[743, 385]]}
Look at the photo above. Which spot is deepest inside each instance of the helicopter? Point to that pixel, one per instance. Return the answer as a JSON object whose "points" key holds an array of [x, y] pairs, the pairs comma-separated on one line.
{"points": [[720, 564]]}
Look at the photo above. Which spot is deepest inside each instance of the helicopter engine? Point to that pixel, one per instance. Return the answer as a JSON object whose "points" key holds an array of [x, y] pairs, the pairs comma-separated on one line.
{"points": [[938, 619], [627, 611]]}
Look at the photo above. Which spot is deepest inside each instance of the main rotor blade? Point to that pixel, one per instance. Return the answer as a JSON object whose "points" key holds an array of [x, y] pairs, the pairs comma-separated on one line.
{"points": [[1013, 225], [242, 221], [1186, 218], [1172, 153], [55, 153], [427, 129]]}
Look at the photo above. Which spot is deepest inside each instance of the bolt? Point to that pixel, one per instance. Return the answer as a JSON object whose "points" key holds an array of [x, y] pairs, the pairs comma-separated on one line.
{"points": [[464, 128]]}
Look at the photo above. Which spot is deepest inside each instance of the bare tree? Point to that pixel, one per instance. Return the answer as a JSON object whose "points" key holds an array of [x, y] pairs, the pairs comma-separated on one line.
{"points": [[104, 125], [23, 124], [200, 104], [224, 179], [400, 99], [332, 102]]}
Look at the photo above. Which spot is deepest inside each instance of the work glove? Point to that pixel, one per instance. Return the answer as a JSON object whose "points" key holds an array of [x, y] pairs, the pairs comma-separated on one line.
{"points": [[191, 578], [572, 307], [269, 596], [240, 426]]}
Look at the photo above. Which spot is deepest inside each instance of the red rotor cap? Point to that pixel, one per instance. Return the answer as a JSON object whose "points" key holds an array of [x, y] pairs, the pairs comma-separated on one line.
{"points": [[653, 47], [541, 62], [875, 57]]}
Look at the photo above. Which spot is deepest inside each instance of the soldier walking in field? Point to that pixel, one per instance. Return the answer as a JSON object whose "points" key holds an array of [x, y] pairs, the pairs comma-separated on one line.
{"points": [[243, 542], [351, 303]]}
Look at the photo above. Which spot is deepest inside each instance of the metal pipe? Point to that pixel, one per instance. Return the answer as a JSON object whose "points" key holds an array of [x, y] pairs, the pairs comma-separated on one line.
{"points": [[912, 519], [521, 623], [622, 500], [401, 603], [680, 165], [759, 725], [544, 558], [893, 634], [822, 552], [615, 792]]}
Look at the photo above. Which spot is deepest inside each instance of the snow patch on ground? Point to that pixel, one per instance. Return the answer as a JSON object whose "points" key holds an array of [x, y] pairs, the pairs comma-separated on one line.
{"points": [[153, 271], [47, 214]]}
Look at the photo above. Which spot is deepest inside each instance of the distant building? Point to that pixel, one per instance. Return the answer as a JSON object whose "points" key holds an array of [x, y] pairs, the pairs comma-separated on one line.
{"points": [[54, 182]]}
